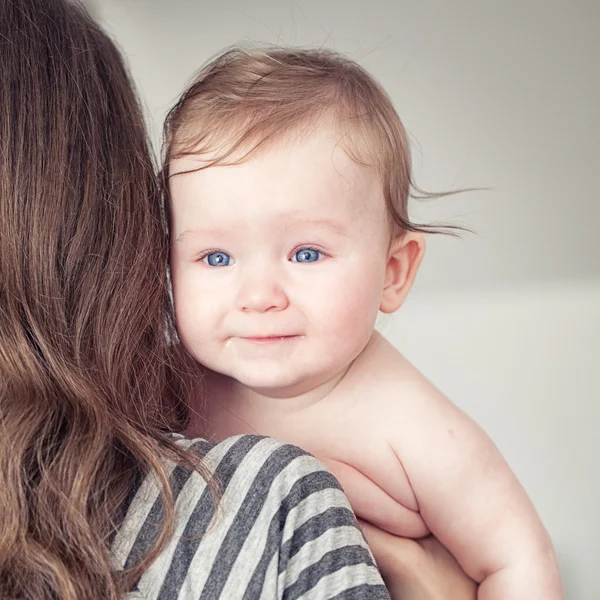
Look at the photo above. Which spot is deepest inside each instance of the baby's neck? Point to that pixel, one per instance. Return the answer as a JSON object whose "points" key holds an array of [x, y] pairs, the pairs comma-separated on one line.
{"points": [[231, 408], [234, 394]]}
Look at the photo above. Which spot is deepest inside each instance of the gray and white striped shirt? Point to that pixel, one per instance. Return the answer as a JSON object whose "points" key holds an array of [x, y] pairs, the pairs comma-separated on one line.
{"points": [[283, 530]]}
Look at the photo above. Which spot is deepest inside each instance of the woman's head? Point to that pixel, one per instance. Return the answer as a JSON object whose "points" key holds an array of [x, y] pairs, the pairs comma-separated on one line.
{"points": [[84, 317], [79, 201]]}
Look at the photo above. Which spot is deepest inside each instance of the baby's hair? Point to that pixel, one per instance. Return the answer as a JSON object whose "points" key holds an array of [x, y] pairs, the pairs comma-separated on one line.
{"points": [[244, 99]]}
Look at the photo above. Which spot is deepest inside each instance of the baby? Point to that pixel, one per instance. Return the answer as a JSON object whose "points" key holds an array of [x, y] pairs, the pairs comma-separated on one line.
{"points": [[289, 177]]}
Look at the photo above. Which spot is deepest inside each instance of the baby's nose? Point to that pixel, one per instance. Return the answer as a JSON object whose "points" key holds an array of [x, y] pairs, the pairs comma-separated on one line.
{"points": [[262, 292]]}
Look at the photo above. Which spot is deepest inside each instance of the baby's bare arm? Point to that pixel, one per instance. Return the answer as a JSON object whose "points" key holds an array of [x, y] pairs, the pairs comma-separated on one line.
{"points": [[467, 494]]}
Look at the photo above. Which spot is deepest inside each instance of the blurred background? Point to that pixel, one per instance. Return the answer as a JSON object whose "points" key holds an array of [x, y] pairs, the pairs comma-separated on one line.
{"points": [[501, 95]]}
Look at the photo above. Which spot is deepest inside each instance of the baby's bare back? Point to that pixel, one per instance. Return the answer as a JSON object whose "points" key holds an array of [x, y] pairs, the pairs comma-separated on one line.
{"points": [[410, 462], [343, 431]]}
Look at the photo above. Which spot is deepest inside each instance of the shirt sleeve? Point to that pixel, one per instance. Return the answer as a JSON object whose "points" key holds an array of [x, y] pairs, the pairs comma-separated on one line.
{"points": [[282, 529], [323, 553]]}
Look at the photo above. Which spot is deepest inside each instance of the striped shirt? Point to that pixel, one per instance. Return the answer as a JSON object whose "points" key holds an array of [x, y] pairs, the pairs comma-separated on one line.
{"points": [[283, 530]]}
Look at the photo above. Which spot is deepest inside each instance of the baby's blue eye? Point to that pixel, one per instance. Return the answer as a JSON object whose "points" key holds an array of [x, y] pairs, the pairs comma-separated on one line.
{"points": [[306, 255], [217, 259]]}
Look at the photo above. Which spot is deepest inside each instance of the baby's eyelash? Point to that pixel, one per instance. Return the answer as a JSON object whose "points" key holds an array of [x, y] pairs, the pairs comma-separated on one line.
{"points": [[314, 248], [205, 253], [309, 247], [321, 255]]}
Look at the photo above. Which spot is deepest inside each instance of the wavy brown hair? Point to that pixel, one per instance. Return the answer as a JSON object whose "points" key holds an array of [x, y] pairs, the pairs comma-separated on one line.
{"points": [[84, 312]]}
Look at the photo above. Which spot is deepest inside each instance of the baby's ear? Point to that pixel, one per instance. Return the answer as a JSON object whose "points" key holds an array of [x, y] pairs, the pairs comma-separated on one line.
{"points": [[404, 257]]}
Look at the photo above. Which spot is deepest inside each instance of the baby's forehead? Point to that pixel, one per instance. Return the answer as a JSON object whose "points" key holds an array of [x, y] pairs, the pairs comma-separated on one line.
{"points": [[305, 175], [312, 175], [324, 152], [328, 137]]}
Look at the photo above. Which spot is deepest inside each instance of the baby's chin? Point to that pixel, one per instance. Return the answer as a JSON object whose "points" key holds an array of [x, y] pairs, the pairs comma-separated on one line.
{"points": [[283, 385], [278, 387]]}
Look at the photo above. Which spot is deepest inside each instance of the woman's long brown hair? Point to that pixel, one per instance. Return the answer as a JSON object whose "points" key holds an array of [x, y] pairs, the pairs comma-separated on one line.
{"points": [[84, 312]]}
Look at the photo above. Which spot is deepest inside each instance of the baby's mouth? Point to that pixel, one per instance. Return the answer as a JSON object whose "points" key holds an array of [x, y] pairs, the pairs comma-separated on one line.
{"points": [[268, 339]]}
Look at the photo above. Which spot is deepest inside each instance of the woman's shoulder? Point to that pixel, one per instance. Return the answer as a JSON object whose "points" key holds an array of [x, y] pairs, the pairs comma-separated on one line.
{"points": [[274, 501], [253, 457], [252, 472], [232, 450]]}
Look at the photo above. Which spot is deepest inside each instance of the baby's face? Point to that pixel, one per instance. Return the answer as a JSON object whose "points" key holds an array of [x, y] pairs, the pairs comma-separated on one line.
{"points": [[278, 263]]}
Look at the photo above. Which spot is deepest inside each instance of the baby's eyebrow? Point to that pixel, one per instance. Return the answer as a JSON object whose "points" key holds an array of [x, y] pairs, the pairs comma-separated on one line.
{"points": [[207, 231], [308, 223], [288, 223]]}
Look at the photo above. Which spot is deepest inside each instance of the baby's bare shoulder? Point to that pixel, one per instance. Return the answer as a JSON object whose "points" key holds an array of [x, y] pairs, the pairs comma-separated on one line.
{"points": [[382, 383]]}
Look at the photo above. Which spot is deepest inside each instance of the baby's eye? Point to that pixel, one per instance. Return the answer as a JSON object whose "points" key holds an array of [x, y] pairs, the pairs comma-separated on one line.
{"points": [[307, 255], [218, 259]]}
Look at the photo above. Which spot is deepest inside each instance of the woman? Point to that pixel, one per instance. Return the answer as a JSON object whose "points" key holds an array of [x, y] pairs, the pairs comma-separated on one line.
{"points": [[100, 499]]}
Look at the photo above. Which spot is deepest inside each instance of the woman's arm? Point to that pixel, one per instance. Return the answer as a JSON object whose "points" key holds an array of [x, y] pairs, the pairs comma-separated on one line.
{"points": [[418, 569], [323, 553]]}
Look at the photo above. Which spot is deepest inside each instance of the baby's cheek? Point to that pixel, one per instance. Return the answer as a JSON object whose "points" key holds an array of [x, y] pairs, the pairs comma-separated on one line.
{"points": [[192, 313], [357, 302], [356, 319], [347, 325]]}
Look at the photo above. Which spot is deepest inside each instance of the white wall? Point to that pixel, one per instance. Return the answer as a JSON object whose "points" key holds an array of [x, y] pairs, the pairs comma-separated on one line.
{"points": [[497, 94]]}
